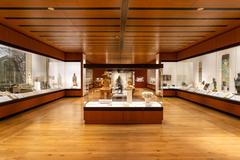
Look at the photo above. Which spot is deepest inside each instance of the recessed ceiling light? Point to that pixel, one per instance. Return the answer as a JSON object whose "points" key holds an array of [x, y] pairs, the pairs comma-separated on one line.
{"points": [[200, 9], [51, 8]]}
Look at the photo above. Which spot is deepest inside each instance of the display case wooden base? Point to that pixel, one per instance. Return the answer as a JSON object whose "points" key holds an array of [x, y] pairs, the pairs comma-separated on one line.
{"points": [[228, 106], [169, 92], [123, 115], [73, 92], [19, 105]]}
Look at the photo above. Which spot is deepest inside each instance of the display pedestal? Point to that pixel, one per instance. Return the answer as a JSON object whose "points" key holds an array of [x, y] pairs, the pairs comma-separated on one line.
{"points": [[123, 113], [129, 95], [105, 93]]}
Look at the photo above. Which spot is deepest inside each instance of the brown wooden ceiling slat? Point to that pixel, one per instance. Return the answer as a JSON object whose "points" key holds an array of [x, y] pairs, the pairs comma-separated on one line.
{"points": [[94, 26]]}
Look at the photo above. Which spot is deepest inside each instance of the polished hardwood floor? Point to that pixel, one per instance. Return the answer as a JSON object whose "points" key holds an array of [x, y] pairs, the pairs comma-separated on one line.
{"points": [[55, 131]]}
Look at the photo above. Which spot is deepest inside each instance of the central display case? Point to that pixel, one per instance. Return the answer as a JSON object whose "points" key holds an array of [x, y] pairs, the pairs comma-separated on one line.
{"points": [[117, 100]]}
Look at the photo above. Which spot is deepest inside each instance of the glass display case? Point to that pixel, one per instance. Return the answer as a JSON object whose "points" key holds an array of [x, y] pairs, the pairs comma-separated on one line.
{"points": [[118, 86], [151, 76], [117, 100], [24, 74], [73, 75], [215, 74]]}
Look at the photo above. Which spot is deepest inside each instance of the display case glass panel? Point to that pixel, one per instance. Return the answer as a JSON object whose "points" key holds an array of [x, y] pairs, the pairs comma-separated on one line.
{"points": [[117, 87], [169, 75], [25, 74], [215, 74], [151, 76], [72, 75]]}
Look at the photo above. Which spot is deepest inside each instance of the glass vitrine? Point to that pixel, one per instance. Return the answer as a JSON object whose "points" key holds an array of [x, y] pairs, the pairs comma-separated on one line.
{"points": [[215, 74]]}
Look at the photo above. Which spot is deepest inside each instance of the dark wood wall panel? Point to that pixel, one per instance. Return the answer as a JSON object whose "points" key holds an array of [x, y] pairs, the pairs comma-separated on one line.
{"points": [[97, 73], [169, 93], [141, 73], [168, 57], [221, 41], [20, 40], [73, 92], [73, 57]]}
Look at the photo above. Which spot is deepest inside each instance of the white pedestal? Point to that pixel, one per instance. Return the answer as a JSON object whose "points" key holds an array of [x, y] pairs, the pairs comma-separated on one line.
{"points": [[129, 96]]}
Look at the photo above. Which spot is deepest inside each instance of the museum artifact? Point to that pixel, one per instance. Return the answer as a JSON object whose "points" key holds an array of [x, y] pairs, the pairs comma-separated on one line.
{"points": [[12, 68], [214, 85], [37, 85], [21, 88], [237, 84], [167, 77], [139, 79], [130, 90], [201, 85], [147, 97], [184, 84], [206, 86], [106, 86], [74, 80], [119, 85], [226, 69], [200, 71]]}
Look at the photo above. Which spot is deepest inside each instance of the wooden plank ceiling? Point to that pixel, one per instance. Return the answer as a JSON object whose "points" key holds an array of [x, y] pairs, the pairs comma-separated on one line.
{"points": [[120, 31]]}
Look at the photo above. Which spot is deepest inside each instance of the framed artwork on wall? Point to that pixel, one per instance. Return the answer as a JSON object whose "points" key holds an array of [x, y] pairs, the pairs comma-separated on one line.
{"points": [[225, 71], [200, 71]]}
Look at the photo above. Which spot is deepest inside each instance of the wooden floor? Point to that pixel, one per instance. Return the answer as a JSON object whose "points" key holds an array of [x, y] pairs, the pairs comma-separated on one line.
{"points": [[55, 131]]}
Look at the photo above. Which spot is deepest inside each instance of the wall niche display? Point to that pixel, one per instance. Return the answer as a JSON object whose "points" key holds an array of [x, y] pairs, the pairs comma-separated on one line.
{"points": [[216, 74], [25, 74]]}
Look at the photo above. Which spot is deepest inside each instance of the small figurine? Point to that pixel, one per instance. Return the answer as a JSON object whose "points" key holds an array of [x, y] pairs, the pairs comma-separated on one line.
{"points": [[130, 89], [106, 81], [106, 86], [184, 84], [74, 80], [214, 85], [119, 84], [224, 86], [206, 86], [147, 97], [130, 86], [237, 84]]}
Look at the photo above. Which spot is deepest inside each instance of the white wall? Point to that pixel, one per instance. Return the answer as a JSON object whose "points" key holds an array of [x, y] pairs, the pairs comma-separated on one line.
{"points": [[57, 70], [39, 64], [170, 68], [70, 69], [187, 70]]}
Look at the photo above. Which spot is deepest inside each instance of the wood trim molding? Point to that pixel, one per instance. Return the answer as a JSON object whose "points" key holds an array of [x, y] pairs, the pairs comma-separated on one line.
{"points": [[215, 103], [19, 40], [220, 104], [28, 103]]}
